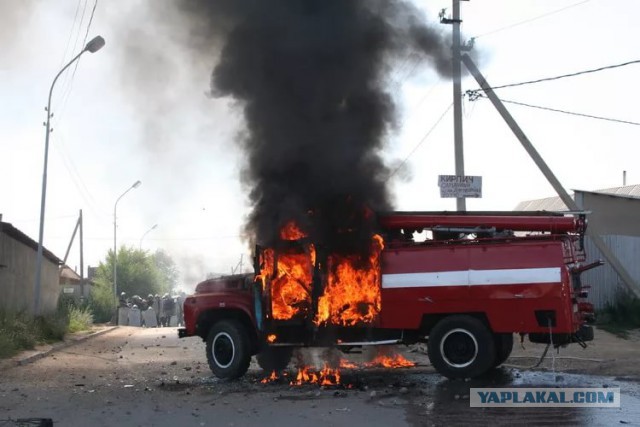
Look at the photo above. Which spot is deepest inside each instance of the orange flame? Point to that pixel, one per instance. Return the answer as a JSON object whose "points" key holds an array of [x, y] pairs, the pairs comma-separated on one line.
{"points": [[326, 377], [271, 378], [271, 337], [352, 288], [291, 231], [388, 359], [291, 286], [352, 294], [345, 364]]}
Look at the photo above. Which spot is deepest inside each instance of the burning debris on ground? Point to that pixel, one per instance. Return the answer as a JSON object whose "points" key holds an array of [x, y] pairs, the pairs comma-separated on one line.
{"points": [[328, 369]]}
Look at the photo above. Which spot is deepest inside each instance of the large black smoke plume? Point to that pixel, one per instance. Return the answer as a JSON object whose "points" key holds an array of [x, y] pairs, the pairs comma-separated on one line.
{"points": [[310, 76]]}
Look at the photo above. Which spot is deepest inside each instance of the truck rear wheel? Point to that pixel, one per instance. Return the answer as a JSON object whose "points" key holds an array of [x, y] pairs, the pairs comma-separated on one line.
{"points": [[504, 346], [228, 349], [274, 358], [461, 347]]}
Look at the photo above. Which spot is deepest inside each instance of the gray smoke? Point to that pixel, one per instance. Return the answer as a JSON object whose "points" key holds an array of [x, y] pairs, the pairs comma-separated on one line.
{"points": [[310, 76]]}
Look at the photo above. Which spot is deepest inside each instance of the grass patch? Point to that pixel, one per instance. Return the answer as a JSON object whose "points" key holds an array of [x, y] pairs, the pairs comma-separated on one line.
{"points": [[80, 319], [21, 331], [620, 317]]}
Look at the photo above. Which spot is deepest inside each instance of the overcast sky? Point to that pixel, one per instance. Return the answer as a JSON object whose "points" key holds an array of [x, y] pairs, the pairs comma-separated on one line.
{"points": [[138, 110]]}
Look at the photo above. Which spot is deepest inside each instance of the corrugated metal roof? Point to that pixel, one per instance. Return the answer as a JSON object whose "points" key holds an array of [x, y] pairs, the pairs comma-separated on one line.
{"points": [[546, 204], [556, 204], [627, 190]]}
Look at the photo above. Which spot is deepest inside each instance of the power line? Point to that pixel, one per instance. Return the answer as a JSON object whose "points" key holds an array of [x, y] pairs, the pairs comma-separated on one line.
{"points": [[66, 48], [84, 43], [66, 80], [474, 92], [424, 138], [526, 21], [609, 119], [86, 34]]}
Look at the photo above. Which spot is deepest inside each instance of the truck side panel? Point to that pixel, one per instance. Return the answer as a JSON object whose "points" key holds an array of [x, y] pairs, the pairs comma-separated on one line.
{"points": [[516, 286]]}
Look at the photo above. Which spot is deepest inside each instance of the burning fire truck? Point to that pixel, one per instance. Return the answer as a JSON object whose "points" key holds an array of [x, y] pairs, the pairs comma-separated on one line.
{"points": [[463, 282]]}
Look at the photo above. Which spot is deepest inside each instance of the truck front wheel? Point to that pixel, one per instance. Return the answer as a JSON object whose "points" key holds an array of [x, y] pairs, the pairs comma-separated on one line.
{"points": [[461, 347], [228, 349]]}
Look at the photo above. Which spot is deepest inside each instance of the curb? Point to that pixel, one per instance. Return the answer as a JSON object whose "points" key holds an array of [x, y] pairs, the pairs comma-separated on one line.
{"points": [[60, 346]]}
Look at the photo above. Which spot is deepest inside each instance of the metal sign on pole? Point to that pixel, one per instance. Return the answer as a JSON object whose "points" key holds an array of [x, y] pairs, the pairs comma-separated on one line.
{"points": [[460, 186]]}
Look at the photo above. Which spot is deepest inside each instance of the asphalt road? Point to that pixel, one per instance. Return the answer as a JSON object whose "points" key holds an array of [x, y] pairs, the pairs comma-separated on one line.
{"points": [[148, 377]]}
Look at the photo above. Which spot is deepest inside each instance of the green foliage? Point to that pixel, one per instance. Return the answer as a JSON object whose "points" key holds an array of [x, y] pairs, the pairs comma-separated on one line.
{"points": [[17, 331], [21, 331], [621, 316], [102, 301], [168, 272], [80, 319], [139, 273]]}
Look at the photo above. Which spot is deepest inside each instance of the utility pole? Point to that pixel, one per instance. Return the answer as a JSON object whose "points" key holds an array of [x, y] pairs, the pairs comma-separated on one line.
{"points": [[455, 21], [571, 204], [81, 258], [78, 226]]}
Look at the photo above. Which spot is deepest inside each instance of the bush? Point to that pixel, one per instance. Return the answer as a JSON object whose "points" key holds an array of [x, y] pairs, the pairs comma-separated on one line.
{"points": [[20, 331], [621, 316], [102, 301], [80, 319], [7, 346]]}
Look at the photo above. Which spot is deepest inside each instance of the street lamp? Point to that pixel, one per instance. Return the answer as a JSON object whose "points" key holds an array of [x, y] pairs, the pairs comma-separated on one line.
{"points": [[93, 46], [115, 249], [147, 232]]}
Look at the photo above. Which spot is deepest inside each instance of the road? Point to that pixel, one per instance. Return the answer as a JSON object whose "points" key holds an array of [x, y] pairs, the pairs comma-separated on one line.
{"points": [[148, 377]]}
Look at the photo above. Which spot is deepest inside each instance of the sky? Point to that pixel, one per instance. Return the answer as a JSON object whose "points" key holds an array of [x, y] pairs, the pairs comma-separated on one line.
{"points": [[139, 110]]}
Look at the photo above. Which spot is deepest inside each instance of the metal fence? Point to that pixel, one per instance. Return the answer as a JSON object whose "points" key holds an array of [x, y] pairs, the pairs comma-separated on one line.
{"points": [[606, 285]]}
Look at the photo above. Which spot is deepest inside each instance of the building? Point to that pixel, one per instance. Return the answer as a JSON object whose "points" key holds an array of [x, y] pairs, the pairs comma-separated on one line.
{"points": [[18, 253], [615, 213], [72, 285]]}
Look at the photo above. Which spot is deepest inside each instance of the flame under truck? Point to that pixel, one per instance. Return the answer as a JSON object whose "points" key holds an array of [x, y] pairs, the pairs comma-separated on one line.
{"points": [[472, 281]]}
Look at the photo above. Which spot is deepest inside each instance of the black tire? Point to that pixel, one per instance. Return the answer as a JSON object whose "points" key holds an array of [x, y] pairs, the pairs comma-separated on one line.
{"points": [[274, 358], [228, 349], [504, 346], [461, 347]]}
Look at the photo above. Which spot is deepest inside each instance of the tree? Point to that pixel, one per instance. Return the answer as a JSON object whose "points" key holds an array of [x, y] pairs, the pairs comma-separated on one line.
{"points": [[101, 300], [167, 270], [139, 273]]}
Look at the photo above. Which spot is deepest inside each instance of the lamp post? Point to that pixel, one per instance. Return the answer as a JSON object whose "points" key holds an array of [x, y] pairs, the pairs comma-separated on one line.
{"points": [[115, 248], [93, 46], [147, 232]]}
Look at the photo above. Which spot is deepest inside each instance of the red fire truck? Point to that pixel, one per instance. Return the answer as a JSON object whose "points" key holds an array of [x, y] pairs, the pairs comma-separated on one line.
{"points": [[463, 282]]}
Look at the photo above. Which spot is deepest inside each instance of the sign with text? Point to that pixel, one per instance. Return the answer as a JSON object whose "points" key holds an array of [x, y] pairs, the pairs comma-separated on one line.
{"points": [[460, 186]]}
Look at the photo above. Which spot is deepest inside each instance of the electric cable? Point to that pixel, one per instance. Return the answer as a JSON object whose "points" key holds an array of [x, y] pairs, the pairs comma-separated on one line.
{"points": [[526, 21], [562, 76], [424, 138], [572, 113]]}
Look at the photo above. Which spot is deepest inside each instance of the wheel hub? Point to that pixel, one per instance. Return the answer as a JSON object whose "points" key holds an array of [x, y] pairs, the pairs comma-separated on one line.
{"points": [[459, 348], [223, 350]]}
